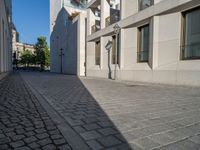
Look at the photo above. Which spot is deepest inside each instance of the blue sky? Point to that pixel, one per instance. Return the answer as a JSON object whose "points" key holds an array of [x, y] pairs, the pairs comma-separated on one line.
{"points": [[31, 18]]}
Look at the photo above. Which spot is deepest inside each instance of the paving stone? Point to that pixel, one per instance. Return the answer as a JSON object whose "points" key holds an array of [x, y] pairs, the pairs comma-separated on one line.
{"points": [[49, 147], [109, 141], [34, 145], [94, 145], [92, 126], [59, 141], [44, 142], [64, 147], [42, 136], [90, 135], [79, 129], [30, 139], [195, 139], [23, 148], [17, 137], [162, 138], [56, 136], [181, 145], [146, 143], [5, 140], [4, 147], [17, 144], [108, 131], [2, 136]]}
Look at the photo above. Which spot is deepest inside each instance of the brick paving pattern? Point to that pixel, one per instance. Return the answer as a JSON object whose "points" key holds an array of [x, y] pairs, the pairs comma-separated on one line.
{"points": [[24, 125], [124, 115]]}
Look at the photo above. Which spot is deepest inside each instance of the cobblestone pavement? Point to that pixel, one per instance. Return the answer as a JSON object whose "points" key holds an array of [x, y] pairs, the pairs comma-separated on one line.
{"points": [[24, 125], [124, 115]]}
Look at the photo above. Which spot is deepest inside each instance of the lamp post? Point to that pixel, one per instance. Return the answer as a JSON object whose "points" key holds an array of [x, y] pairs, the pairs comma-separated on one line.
{"points": [[116, 31], [61, 55]]}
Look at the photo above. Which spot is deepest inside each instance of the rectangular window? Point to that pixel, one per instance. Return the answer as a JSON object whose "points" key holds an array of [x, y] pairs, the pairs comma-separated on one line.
{"points": [[97, 53], [114, 49], [143, 4], [144, 37], [191, 31]]}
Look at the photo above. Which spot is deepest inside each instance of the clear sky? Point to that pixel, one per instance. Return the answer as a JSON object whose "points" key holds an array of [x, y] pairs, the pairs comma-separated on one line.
{"points": [[31, 18]]}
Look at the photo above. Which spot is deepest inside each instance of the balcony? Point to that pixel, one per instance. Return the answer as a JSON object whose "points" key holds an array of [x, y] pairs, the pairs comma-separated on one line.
{"points": [[113, 18], [95, 27], [77, 4], [143, 4], [190, 51], [143, 56]]}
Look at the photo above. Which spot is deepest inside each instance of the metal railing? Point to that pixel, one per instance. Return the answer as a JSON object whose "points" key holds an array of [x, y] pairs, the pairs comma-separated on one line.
{"points": [[190, 51], [112, 19], [143, 56], [95, 27], [143, 4], [77, 4]]}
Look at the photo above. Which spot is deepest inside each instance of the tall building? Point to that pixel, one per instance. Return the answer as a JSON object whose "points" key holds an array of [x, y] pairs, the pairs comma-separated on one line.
{"points": [[5, 35], [159, 40], [68, 36]]}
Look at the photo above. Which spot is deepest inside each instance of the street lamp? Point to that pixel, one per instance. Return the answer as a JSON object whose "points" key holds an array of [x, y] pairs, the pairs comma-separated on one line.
{"points": [[116, 31], [61, 55]]}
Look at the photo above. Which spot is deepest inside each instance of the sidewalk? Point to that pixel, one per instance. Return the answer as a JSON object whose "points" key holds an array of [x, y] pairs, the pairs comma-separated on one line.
{"points": [[114, 115]]}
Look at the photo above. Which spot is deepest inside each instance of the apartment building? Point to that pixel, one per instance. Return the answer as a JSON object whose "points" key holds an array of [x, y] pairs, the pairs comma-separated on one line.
{"points": [[158, 42], [5, 35], [68, 36]]}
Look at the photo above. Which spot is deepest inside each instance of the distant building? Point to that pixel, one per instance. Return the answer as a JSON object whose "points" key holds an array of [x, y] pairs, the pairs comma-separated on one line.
{"points": [[18, 47], [68, 36], [5, 35]]}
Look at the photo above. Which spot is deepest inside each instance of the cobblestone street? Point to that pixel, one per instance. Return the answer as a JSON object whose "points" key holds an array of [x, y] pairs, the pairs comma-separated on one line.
{"points": [[24, 124], [52, 111], [122, 115]]}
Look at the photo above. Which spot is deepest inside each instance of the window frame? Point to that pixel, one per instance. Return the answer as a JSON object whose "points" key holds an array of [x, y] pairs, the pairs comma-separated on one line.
{"points": [[183, 34], [96, 46], [139, 43]]}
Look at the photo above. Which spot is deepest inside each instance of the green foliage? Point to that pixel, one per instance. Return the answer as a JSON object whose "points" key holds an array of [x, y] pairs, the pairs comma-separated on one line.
{"points": [[42, 52], [27, 58]]}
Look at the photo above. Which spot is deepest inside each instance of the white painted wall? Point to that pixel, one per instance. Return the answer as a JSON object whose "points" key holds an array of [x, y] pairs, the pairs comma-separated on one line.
{"points": [[68, 35]]}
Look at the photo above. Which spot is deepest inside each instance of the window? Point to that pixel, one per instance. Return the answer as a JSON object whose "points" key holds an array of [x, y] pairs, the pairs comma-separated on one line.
{"points": [[97, 53], [191, 31], [143, 4], [143, 51], [114, 49]]}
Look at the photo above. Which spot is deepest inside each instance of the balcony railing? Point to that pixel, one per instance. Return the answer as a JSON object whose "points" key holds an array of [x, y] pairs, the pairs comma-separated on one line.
{"points": [[143, 4], [77, 4], [190, 51], [143, 56], [95, 27], [115, 17]]}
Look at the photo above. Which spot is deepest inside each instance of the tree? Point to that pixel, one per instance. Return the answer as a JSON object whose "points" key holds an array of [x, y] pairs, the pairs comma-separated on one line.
{"points": [[42, 52], [27, 58]]}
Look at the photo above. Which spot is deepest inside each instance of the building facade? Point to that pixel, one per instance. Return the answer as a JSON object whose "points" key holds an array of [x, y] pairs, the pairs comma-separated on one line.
{"points": [[159, 40], [68, 36], [5, 35]]}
